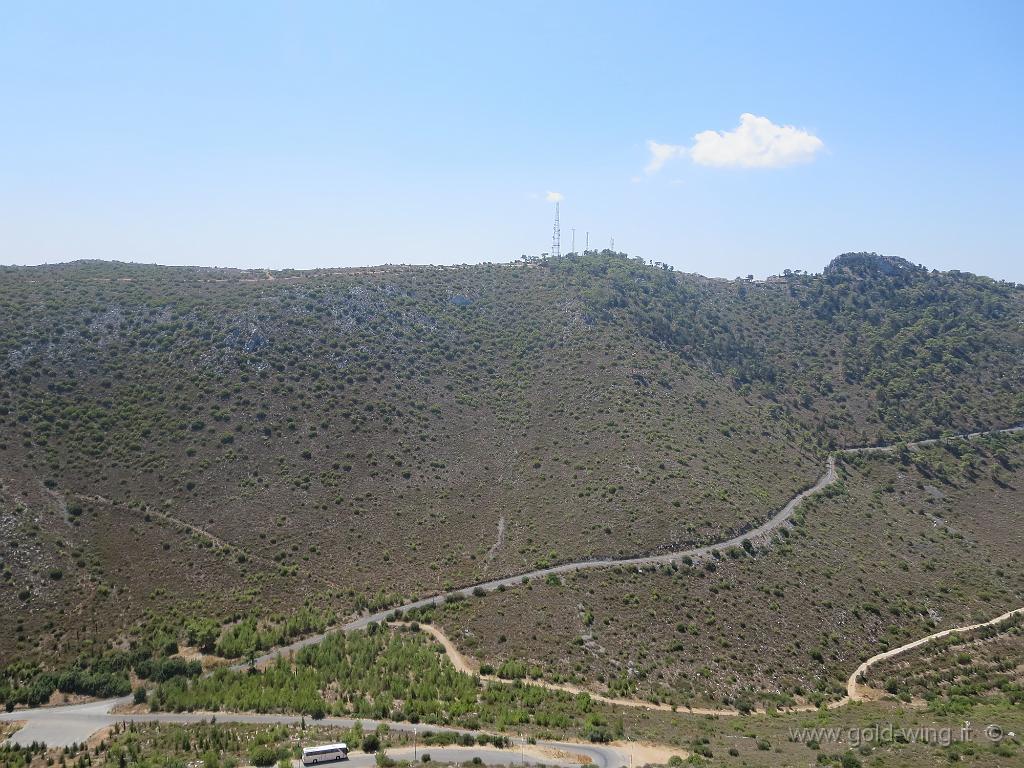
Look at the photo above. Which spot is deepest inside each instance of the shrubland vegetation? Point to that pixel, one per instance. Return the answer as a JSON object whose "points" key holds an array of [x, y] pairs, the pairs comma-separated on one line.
{"points": [[153, 656], [957, 671], [906, 544], [775, 741], [161, 746], [103, 676], [224, 446], [250, 635], [757, 741], [384, 674], [229, 745]]}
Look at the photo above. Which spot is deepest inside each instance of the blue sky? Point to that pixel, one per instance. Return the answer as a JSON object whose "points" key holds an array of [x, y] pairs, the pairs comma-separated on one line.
{"points": [[315, 134]]}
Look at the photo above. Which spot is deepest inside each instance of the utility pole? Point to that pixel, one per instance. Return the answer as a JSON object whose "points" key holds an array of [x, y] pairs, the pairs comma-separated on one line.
{"points": [[414, 745]]}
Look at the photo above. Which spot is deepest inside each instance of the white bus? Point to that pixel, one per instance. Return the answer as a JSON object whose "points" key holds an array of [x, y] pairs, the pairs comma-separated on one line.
{"points": [[324, 754]]}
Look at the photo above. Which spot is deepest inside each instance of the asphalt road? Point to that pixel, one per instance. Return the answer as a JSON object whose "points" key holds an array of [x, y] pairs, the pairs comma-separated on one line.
{"points": [[489, 755], [75, 723], [62, 726], [769, 526], [59, 726], [764, 529]]}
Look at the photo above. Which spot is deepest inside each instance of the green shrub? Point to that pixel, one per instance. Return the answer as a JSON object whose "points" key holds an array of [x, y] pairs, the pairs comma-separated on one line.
{"points": [[262, 755]]}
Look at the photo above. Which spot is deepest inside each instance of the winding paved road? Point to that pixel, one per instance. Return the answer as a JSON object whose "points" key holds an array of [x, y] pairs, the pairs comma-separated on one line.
{"points": [[696, 553], [766, 528], [59, 726]]}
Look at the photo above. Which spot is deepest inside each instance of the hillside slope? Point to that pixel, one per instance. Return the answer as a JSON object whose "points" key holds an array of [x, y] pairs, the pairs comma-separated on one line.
{"points": [[900, 548], [215, 442]]}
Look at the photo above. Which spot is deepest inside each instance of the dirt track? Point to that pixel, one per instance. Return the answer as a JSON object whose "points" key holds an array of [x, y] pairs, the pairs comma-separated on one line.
{"points": [[856, 691], [853, 693]]}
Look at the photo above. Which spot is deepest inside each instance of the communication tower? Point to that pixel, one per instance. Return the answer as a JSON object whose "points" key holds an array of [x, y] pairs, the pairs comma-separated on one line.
{"points": [[556, 246]]}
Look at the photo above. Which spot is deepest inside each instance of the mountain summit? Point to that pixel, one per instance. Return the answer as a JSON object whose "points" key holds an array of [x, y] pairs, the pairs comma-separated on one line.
{"points": [[868, 264]]}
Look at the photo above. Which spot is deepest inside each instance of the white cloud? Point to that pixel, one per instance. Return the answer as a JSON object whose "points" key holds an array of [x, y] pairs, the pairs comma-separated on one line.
{"points": [[554, 197], [756, 143], [662, 153]]}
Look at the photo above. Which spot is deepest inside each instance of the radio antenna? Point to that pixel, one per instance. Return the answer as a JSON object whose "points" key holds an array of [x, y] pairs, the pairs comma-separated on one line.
{"points": [[556, 246]]}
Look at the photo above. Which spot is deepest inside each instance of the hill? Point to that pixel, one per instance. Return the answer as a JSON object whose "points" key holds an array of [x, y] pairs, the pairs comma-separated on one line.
{"points": [[900, 548], [187, 444]]}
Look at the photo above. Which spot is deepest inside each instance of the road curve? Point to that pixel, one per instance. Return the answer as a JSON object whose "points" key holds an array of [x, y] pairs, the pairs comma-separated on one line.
{"points": [[67, 724], [489, 755], [764, 529], [462, 664], [769, 526], [853, 685]]}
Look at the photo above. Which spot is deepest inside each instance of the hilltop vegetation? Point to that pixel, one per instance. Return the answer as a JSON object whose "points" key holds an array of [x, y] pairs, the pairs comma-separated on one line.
{"points": [[196, 444]]}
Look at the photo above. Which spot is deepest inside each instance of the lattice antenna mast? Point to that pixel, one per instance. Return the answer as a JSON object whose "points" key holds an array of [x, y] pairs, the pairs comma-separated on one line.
{"points": [[556, 237], [587, 246]]}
